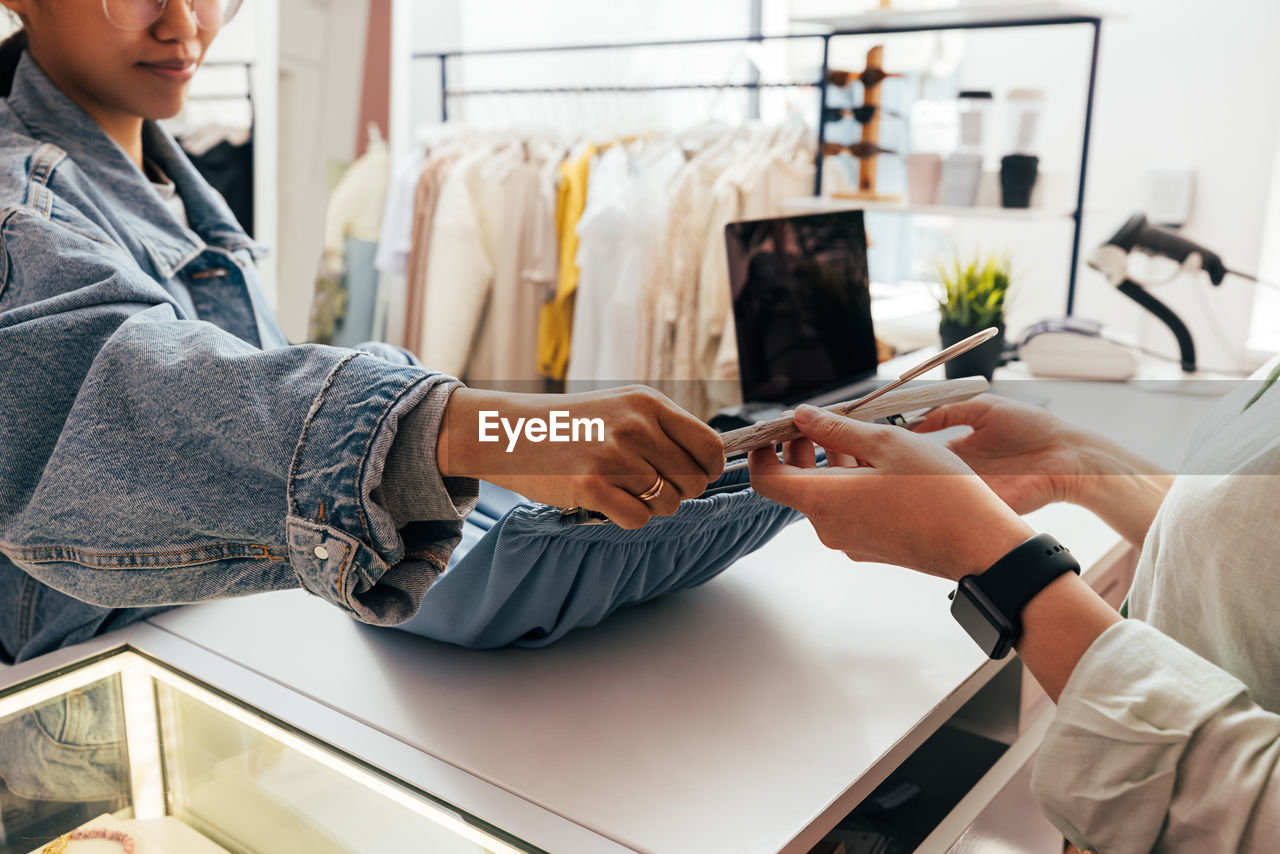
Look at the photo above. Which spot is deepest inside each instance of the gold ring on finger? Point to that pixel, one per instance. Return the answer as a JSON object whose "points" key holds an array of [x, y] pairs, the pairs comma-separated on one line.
{"points": [[653, 491]]}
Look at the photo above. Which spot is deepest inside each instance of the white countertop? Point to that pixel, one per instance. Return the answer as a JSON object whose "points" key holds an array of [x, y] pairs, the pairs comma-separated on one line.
{"points": [[725, 718], [749, 714]]}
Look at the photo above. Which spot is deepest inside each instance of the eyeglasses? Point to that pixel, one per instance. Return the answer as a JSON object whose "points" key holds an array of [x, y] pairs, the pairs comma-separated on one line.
{"points": [[868, 77], [861, 114], [140, 14], [862, 149]]}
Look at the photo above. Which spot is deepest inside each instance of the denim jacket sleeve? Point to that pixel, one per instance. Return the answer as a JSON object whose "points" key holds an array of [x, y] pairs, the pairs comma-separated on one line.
{"points": [[152, 459]]}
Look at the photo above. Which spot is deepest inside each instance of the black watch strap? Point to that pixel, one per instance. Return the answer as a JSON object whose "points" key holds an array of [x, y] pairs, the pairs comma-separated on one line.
{"points": [[1016, 578]]}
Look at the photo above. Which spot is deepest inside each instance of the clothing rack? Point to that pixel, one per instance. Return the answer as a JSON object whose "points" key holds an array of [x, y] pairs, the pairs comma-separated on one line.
{"points": [[466, 93], [888, 24], [446, 93]]}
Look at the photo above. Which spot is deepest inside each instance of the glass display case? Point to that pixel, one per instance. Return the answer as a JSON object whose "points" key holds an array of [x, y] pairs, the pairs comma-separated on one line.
{"points": [[122, 753]]}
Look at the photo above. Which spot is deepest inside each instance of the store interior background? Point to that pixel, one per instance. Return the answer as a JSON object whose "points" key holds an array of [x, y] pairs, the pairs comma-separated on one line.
{"points": [[1179, 82]]}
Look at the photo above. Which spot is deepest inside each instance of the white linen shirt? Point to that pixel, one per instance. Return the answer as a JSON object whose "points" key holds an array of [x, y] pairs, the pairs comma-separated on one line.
{"points": [[1167, 736]]}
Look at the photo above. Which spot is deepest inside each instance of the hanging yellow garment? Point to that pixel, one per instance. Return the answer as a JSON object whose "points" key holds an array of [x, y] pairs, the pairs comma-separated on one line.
{"points": [[555, 321]]}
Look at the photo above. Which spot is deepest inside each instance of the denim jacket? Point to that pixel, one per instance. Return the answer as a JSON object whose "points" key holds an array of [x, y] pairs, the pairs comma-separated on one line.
{"points": [[160, 443]]}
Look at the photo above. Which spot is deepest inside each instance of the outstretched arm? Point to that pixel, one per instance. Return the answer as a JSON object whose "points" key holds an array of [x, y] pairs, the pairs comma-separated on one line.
{"points": [[1152, 747], [1031, 458]]}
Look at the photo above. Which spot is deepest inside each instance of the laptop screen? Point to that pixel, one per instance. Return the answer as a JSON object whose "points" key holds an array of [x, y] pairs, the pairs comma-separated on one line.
{"points": [[801, 305]]}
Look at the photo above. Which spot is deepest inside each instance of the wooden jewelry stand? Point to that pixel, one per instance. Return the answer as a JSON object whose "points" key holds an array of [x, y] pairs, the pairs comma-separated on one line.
{"points": [[874, 72]]}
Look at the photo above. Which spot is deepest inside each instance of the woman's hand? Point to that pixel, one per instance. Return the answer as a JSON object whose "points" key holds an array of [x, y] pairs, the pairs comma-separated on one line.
{"points": [[889, 496], [1030, 458], [645, 436], [1027, 456], [900, 498]]}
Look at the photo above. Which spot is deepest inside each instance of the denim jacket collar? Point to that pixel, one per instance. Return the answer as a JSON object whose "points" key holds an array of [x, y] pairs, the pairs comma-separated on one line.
{"points": [[53, 117]]}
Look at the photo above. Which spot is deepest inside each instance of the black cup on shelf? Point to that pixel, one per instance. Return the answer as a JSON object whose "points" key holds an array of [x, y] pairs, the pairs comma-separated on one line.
{"points": [[981, 361], [1017, 179]]}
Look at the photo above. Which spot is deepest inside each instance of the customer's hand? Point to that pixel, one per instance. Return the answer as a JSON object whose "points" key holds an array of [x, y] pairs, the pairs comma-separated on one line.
{"points": [[889, 496], [1027, 456], [645, 436]]}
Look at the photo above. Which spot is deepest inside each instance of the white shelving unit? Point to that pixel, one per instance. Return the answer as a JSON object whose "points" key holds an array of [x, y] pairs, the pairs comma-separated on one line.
{"points": [[829, 204], [988, 17]]}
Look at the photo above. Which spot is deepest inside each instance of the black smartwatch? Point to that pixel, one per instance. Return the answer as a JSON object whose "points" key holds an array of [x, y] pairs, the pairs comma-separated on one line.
{"points": [[989, 606]]}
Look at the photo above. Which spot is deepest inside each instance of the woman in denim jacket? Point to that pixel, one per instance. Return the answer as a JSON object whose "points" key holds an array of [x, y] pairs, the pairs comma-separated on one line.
{"points": [[160, 443]]}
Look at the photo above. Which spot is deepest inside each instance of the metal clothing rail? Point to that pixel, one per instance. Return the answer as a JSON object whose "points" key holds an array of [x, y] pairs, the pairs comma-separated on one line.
{"points": [[244, 96], [464, 93], [888, 25]]}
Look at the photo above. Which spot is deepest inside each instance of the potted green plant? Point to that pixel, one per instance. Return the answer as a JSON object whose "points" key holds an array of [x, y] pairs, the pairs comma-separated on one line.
{"points": [[972, 299]]}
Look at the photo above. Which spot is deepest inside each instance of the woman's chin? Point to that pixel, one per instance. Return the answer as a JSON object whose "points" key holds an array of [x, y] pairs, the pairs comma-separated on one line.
{"points": [[162, 107]]}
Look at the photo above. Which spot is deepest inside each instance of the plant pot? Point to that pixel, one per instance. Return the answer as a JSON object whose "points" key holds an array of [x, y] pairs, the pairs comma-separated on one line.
{"points": [[981, 361], [1017, 179]]}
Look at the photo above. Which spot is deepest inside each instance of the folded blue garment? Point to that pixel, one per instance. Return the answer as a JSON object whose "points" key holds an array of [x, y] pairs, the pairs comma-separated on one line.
{"points": [[527, 574]]}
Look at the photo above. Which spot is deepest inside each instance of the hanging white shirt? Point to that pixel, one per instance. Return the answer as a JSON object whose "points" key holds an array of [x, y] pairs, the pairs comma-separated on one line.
{"points": [[395, 239], [649, 201], [604, 219]]}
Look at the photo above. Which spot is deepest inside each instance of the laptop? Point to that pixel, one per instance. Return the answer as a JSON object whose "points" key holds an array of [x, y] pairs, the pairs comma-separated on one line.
{"points": [[802, 312]]}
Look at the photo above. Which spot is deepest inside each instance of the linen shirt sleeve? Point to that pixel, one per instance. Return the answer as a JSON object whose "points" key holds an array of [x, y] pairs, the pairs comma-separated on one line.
{"points": [[153, 459], [1153, 748]]}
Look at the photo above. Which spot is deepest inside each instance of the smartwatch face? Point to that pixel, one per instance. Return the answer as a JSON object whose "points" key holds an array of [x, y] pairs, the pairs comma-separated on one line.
{"points": [[980, 618]]}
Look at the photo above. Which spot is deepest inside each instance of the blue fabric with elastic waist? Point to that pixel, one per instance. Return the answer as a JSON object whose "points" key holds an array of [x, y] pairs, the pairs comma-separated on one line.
{"points": [[546, 573]]}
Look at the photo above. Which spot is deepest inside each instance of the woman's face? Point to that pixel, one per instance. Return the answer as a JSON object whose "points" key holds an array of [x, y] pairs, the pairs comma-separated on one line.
{"points": [[109, 71]]}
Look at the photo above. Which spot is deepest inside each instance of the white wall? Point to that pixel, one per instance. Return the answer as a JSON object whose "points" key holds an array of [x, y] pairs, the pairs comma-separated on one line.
{"points": [[1264, 334], [321, 66], [480, 24], [1196, 82], [431, 25]]}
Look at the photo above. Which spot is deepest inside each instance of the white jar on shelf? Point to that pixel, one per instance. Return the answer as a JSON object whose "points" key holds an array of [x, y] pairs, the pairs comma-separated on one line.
{"points": [[962, 169], [934, 130]]}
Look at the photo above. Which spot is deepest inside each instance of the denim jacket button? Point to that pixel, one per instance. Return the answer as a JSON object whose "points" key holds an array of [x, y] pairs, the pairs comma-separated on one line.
{"points": [[322, 553]]}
